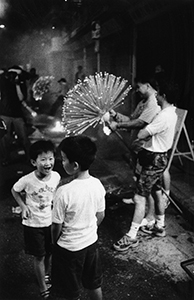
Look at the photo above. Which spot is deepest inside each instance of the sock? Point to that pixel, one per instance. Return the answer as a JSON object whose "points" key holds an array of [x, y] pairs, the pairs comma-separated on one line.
{"points": [[133, 230], [160, 220]]}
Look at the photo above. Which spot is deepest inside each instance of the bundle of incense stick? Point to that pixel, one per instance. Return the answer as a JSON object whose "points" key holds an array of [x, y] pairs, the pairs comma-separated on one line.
{"points": [[88, 101]]}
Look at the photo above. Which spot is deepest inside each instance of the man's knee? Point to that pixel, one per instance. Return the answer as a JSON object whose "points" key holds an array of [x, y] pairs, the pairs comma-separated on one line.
{"points": [[140, 200]]}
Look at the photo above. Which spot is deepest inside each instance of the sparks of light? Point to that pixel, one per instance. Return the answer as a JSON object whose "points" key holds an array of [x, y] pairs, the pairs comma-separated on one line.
{"points": [[106, 130], [34, 114], [58, 127]]}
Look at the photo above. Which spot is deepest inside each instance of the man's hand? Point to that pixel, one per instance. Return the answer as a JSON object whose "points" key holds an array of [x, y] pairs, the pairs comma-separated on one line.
{"points": [[136, 145], [113, 125], [112, 113]]}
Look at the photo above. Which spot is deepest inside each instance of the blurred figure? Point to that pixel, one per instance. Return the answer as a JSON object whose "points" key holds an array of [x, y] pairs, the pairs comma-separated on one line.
{"points": [[13, 93], [79, 75], [56, 108], [160, 75], [3, 128], [33, 76]]}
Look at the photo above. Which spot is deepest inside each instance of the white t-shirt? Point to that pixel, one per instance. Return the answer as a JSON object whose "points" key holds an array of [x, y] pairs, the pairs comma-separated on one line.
{"points": [[145, 111], [75, 206], [39, 197], [162, 130], [150, 109]]}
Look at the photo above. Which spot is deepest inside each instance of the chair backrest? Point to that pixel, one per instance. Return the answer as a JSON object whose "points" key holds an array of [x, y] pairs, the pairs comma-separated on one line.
{"points": [[181, 113]]}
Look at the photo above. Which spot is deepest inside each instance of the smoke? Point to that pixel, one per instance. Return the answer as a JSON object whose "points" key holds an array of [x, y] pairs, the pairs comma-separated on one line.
{"points": [[3, 7]]}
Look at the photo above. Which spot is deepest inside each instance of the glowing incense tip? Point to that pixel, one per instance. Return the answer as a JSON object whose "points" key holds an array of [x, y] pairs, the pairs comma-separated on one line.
{"points": [[106, 130]]}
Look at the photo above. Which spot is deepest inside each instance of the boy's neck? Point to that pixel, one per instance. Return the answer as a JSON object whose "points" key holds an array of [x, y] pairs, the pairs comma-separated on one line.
{"points": [[41, 176], [82, 175]]}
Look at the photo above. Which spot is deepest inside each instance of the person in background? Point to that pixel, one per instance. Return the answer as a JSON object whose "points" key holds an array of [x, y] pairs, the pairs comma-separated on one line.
{"points": [[33, 77], [79, 208], [149, 220], [171, 92], [39, 187], [13, 96], [144, 113], [79, 75], [153, 159], [56, 108], [160, 75]]}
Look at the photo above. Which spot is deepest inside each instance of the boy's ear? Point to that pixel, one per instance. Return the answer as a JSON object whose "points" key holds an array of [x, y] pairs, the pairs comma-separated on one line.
{"points": [[76, 165], [148, 85], [33, 162]]}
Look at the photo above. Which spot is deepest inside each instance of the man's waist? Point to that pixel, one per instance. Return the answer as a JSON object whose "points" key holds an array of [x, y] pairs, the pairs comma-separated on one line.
{"points": [[153, 152]]}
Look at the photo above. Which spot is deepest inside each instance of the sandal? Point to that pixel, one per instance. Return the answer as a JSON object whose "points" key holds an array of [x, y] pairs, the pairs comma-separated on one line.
{"points": [[125, 243], [45, 294]]}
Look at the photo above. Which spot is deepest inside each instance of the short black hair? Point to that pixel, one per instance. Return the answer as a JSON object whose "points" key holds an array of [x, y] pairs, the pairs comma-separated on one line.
{"points": [[170, 91], [80, 149], [41, 146], [147, 79]]}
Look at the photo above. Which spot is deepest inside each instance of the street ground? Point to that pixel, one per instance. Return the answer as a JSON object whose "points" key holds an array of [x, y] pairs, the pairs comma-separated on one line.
{"points": [[150, 271]]}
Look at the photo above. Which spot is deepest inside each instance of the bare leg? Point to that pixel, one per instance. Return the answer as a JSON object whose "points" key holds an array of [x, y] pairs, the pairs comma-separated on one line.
{"points": [[20, 129], [166, 180], [47, 263], [138, 215], [150, 215], [139, 212], [159, 203], [95, 294], [6, 140], [39, 268], [166, 185]]}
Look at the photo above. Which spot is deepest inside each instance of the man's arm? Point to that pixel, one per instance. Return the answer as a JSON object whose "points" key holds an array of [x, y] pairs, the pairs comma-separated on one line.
{"points": [[132, 124], [55, 232], [143, 134], [118, 117]]}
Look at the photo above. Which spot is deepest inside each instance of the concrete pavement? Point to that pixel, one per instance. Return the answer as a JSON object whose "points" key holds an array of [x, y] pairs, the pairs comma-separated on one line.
{"points": [[150, 271]]}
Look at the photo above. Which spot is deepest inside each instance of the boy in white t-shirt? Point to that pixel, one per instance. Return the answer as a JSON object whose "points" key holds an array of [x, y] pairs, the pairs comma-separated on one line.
{"points": [[39, 187], [79, 208]]}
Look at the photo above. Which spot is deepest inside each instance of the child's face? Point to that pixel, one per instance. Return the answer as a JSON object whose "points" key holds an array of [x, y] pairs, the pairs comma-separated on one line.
{"points": [[68, 167], [44, 163]]}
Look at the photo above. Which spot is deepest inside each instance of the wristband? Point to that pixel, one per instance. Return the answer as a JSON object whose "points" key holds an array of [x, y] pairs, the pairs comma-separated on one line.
{"points": [[115, 116], [118, 125]]}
